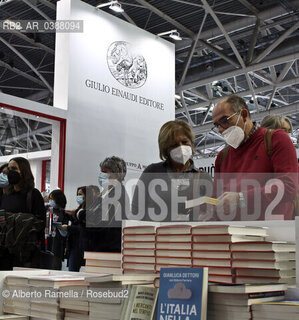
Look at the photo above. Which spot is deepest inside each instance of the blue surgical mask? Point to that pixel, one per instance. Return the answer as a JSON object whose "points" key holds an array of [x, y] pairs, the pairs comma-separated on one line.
{"points": [[52, 203], [80, 199], [103, 179], [3, 180]]}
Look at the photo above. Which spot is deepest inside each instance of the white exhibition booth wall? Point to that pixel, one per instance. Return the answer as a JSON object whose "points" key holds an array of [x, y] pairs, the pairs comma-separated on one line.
{"points": [[117, 83]]}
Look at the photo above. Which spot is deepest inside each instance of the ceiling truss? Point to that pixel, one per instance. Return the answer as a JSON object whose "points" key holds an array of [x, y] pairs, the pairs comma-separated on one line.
{"points": [[247, 47]]}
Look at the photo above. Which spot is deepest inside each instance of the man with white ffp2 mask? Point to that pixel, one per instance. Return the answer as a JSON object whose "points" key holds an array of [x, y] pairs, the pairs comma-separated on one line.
{"points": [[246, 157]]}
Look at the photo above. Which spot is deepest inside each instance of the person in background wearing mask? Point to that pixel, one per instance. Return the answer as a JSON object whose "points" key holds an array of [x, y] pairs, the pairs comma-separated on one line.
{"points": [[25, 212], [57, 202], [177, 171], [102, 219], [75, 231], [245, 157], [275, 121], [3, 180]]}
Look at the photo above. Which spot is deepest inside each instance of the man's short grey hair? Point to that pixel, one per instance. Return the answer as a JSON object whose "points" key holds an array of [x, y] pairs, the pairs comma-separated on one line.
{"points": [[236, 103], [116, 165]]}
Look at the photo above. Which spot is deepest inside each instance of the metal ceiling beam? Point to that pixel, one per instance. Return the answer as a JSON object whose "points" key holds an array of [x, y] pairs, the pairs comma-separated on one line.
{"points": [[253, 41], [257, 90], [25, 135], [28, 63], [198, 94], [48, 4], [191, 52], [284, 71], [219, 53], [249, 6], [221, 27], [243, 32], [31, 41], [186, 109], [239, 24], [35, 8], [166, 17], [128, 18], [251, 68], [21, 73], [187, 31], [261, 77], [38, 95], [276, 43]]}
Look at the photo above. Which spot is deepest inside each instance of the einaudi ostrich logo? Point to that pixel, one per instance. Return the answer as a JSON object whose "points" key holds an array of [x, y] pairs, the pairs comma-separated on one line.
{"points": [[127, 67]]}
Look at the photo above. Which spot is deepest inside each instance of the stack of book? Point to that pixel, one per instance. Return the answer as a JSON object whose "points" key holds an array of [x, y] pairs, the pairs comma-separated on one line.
{"points": [[13, 317], [102, 262], [138, 249], [233, 302], [280, 310], [74, 302], [114, 297], [38, 296], [265, 262], [173, 246], [140, 303], [106, 300], [212, 248]]}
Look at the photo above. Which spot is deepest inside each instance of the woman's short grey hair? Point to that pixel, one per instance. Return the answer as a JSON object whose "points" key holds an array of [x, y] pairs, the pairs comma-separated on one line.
{"points": [[275, 121], [116, 165]]}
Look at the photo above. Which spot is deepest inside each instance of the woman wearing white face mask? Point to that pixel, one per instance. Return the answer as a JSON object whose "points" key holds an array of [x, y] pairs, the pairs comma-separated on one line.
{"points": [[173, 178]]}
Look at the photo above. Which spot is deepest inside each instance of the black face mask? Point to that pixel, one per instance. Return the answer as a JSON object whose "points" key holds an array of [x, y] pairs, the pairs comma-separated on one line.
{"points": [[13, 177]]}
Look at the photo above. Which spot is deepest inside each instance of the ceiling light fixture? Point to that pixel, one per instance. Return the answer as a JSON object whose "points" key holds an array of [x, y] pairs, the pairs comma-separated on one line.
{"points": [[173, 34], [113, 5]]}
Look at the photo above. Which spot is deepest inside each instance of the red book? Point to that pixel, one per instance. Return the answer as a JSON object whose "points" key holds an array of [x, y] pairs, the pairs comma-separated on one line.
{"points": [[139, 237], [174, 260], [174, 237], [138, 252], [138, 245], [211, 262], [174, 245], [176, 253], [150, 267], [139, 259], [211, 254]]}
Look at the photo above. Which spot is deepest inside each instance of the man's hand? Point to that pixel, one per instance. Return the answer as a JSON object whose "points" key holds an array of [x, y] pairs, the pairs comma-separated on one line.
{"points": [[2, 219], [228, 203], [64, 227]]}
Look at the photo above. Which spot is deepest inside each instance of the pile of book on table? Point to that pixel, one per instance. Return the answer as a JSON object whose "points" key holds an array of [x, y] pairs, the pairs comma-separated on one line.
{"points": [[236, 302], [280, 310], [102, 262], [265, 262], [114, 297], [234, 254], [138, 248], [173, 246], [39, 295], [84, 297]]}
